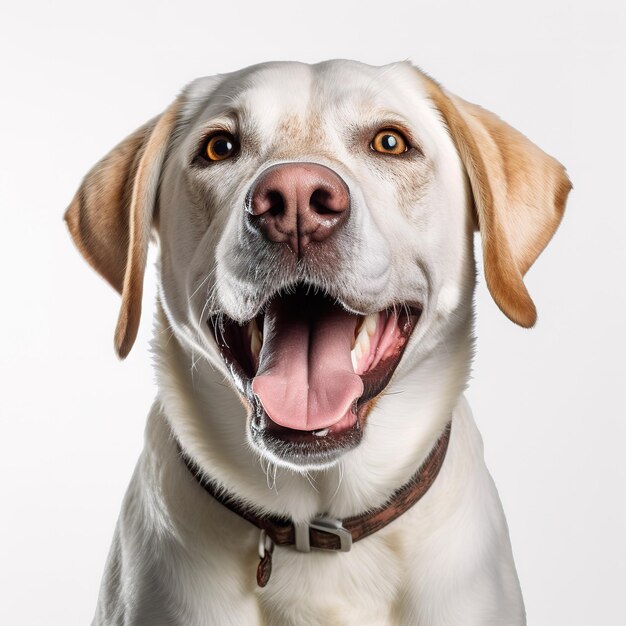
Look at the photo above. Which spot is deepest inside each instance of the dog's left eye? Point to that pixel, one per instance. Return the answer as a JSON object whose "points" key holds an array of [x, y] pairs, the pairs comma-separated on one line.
{"points": [[389, 141], [220, 146]]}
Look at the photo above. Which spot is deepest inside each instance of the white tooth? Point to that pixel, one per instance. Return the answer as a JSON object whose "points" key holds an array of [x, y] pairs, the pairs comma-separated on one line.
{"points": [[255, 338], [357, 331], [371, 321], [361, 348], [321, 433], [358, 352], [363, 341]]}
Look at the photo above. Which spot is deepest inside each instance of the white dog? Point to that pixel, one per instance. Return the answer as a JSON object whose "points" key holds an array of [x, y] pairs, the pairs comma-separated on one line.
{"points": [[313, 340]]}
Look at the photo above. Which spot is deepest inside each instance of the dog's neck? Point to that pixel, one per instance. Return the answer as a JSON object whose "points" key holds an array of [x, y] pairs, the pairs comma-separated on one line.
{"points": [[209, 420]]}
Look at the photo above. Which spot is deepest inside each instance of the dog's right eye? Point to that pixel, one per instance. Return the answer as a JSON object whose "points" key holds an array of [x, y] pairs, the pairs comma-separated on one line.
{"points": [[220, 146]]}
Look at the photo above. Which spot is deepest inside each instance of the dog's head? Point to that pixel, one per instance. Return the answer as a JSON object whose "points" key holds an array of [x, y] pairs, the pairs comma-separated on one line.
{"points": [[315, 230]]}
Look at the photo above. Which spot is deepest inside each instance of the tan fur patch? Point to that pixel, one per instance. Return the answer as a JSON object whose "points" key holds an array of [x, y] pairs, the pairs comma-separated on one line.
{"points": [[519, 194], [110, 218], [98, 216]]}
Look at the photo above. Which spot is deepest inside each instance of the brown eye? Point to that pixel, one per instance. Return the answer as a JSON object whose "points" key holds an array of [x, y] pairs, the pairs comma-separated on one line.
{"points": [[220, 146], [389, 141]]}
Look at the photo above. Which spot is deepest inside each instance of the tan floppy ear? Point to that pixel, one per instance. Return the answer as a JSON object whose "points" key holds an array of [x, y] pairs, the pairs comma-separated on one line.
{"points": [[110, 217], [519, 195]]}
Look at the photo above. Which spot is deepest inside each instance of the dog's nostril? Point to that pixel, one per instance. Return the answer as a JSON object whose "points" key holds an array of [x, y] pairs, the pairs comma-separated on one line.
{"points": [[276, 203], [321, 202]]}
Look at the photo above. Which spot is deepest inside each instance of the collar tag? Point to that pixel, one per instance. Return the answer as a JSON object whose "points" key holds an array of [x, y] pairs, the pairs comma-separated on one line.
{"points": [[264, 568]]}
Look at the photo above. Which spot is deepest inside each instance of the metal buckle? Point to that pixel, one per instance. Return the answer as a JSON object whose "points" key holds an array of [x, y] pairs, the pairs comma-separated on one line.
{"points": [[329, 525], [265, 544]]}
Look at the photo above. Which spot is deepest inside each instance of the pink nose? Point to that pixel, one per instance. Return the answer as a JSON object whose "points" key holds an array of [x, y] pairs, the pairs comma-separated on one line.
{"points": [[298, 203]]}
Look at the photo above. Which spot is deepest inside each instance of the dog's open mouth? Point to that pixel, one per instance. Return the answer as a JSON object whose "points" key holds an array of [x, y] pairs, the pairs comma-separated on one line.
{"points": [[311, 370]]}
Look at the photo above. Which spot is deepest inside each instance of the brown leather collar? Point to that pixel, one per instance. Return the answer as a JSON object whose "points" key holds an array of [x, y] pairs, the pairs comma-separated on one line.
{"points": [[324, 532]]}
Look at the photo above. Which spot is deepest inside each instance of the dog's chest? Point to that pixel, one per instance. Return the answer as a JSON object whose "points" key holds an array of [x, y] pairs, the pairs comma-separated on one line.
{"points": [[213, 580], [363, 586]]}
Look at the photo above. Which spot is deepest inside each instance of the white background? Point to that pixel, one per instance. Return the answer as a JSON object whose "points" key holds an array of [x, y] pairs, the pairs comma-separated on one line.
{"points": [[77, 77]]}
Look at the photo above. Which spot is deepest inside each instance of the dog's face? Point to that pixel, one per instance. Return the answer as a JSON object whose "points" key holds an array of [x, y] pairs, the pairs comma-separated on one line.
{"points": [[311, 241], [315, 227]]}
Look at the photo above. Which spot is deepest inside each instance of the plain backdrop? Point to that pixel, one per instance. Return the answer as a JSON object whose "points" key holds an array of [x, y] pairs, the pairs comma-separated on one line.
{"points": [[79, 76]]}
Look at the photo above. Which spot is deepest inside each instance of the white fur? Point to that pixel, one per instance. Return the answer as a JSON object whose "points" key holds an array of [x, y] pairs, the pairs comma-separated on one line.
{"points": [[178, 556]]}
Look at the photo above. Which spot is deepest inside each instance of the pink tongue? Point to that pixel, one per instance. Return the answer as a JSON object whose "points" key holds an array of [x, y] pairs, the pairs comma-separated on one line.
{"points": [[305, 379]]}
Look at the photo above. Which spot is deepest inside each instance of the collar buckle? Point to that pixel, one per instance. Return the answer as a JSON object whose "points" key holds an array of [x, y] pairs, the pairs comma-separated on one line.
{"points": [[325, 524]]}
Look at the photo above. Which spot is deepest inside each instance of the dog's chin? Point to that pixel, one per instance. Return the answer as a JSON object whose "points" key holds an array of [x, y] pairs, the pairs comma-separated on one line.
{"points": [[300, 450], [311, 371]]}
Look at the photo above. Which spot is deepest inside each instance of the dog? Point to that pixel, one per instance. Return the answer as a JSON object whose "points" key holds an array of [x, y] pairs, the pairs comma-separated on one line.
{"points": [[310, 457]]}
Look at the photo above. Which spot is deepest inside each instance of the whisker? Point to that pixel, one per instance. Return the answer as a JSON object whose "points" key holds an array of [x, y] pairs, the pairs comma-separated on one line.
{"points": [[308, 477], [341, 472], [202, 283]]}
